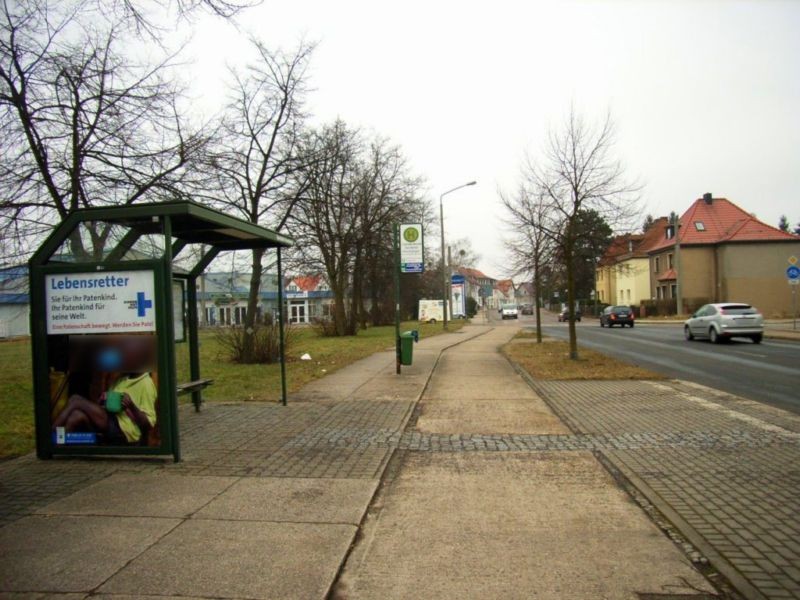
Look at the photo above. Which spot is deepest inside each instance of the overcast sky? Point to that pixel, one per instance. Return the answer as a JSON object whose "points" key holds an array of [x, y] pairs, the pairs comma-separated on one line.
{"points": [[705, 94]]}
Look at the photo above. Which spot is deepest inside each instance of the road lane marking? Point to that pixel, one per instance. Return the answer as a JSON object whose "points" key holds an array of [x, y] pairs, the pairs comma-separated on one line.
{"points": [[719, 356], [735, 414]]}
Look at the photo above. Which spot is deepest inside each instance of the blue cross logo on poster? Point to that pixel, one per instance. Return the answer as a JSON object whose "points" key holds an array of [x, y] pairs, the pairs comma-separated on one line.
{"points": [[141, 304]]}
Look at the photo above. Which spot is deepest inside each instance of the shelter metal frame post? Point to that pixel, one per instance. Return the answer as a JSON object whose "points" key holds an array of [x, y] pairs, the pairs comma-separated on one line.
{"points": [[281, 340], [194, 339], [177, 246], [168, 346], [122, 247], [204, 261]]}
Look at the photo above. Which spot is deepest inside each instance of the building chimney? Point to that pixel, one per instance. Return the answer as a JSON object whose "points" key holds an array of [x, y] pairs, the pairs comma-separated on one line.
{"points": [[707, 198]]}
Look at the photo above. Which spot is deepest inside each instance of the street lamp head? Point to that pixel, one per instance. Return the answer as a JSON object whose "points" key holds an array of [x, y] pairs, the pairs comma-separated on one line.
{"points": [[472, 183]]}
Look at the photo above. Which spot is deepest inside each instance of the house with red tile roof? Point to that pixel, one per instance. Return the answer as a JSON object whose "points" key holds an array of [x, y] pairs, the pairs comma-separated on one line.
{"points": [[503, 293], [623, 273], [726, 254]]}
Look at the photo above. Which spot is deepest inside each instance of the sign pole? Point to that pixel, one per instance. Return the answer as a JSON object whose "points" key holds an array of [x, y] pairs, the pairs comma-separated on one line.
{"points": [[793, 279], [281, 340], [396, 247]]}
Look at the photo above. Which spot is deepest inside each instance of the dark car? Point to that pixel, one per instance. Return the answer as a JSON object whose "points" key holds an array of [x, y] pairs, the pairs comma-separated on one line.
{"points": [[616, 315], [563, 316], [527, 309]]}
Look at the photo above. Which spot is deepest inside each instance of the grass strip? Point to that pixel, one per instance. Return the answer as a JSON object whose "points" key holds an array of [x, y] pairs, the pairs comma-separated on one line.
{"points": [[232, 382], [550, 362]]}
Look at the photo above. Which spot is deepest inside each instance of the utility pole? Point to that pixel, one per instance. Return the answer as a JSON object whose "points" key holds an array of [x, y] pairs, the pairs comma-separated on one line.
{"points": [[450, 282], [396, 269]]}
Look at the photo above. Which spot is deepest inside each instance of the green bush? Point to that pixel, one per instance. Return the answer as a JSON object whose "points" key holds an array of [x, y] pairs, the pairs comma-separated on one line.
{"points": [[472, 307], [266, 346]]}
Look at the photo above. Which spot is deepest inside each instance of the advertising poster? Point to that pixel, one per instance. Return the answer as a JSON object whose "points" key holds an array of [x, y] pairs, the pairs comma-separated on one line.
{"points": [[458, 296], [105, 301], [103, 386]]}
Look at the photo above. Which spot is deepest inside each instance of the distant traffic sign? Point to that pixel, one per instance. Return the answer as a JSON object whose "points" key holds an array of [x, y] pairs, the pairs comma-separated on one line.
{"points": [[793, 272]]}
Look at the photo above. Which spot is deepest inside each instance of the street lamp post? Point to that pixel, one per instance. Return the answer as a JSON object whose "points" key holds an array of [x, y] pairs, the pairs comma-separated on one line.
{"points": [[445, 299]]}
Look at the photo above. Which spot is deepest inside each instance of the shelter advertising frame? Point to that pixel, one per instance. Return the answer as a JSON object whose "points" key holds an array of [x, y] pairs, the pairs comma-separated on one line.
{"points": [[68, 366]]}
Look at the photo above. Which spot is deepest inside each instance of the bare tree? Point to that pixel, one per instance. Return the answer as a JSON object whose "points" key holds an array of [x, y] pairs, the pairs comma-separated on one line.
{"points": [[355, 193], [324, 223], [531, 244], [577, 173], [257, 153], [82, 125]]}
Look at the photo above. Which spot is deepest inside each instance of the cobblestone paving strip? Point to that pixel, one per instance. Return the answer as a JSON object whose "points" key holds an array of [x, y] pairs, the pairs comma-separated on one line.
{"points": [[740, 495]]}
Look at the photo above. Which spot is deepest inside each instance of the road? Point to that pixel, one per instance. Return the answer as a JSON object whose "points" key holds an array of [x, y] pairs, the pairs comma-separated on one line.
{"points": [[768, 372]]}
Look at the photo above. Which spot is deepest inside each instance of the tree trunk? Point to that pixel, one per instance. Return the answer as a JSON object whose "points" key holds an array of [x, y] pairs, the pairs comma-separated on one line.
{"points": [[568, 251], [373, 290], [536, 282], [338, 287], [251, 316]]}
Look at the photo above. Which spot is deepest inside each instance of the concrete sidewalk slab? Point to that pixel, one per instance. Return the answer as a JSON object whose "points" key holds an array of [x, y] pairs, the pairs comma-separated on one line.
{"points": [[295, 500], [487, 416], [475, 388], [146, 495], [42, 596], [511, 525], [72, 554], [238, 559]]}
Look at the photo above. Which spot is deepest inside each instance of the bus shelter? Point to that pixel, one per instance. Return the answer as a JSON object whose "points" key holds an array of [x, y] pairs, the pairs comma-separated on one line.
{"points": [[112, 290]]}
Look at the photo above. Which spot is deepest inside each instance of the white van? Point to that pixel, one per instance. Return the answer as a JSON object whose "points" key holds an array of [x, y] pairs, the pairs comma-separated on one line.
{"points": [[509, 311], [431, 311]]}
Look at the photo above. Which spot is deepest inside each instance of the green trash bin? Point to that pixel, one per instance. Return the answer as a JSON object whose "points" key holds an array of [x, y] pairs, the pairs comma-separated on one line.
{"points": [[407, 339]]}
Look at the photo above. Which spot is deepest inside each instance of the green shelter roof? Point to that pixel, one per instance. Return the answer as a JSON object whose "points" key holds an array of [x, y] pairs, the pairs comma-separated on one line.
{"points": [[191, 223]]}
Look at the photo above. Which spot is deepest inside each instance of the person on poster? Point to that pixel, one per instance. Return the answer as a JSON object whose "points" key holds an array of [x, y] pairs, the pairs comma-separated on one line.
{"points": [[134, 392]]}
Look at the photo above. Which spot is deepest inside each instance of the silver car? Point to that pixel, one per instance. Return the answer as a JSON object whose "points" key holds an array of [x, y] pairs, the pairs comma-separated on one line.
{"points": [[719, 322]]}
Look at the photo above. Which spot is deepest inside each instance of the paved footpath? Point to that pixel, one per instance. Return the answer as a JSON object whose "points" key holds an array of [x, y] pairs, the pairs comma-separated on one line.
{"points": [[490, 496]]}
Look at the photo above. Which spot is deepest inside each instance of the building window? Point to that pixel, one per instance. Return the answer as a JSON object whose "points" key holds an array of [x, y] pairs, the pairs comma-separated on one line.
{"points": [[669, 261], [699, 225], [658, 265], [673, 291]]}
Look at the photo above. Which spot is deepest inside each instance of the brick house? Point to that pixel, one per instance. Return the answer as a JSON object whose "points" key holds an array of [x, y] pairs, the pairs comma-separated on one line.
{"points": [[726, 254]]}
